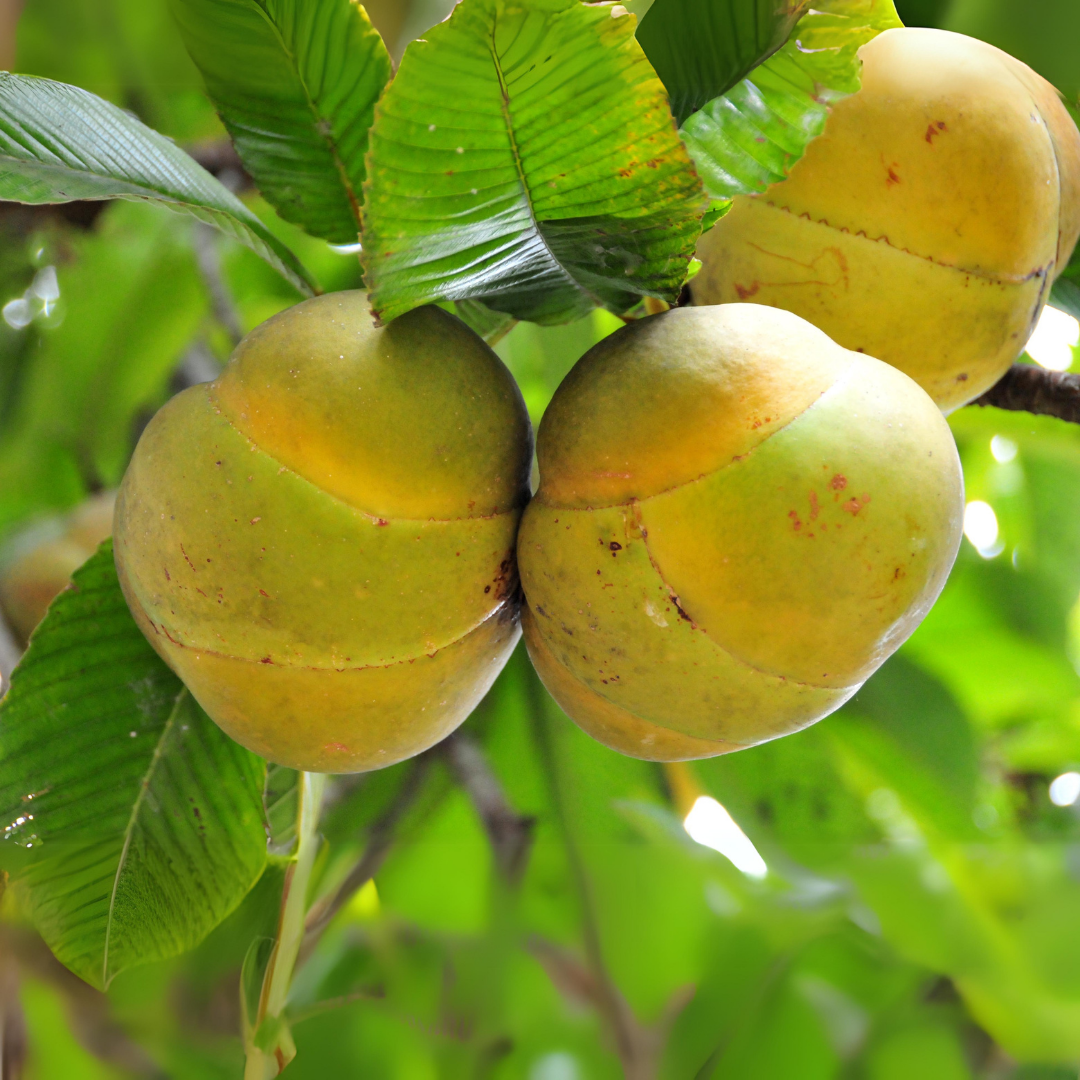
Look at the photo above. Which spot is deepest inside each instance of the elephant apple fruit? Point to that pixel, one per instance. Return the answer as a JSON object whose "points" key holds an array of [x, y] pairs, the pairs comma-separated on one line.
{"points": [[926, 224], [37, 563], [737, 522], [321, 542]]}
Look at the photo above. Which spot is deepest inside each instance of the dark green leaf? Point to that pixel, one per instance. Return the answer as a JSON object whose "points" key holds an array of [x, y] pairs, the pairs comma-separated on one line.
{"points": [[1065, 295], [296, 83], [492, 326], [918, 712], [702, 48], [750, 137], [525, 155], [133, 824], [59, 143], [1066, 291]]}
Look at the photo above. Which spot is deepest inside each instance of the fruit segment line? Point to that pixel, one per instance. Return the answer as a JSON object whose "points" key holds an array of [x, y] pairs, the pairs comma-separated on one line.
{"points": [[375, 519]]}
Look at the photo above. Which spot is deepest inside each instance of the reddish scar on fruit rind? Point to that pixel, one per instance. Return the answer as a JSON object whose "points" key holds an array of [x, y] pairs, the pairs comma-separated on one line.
{"points": [[737, 585]]}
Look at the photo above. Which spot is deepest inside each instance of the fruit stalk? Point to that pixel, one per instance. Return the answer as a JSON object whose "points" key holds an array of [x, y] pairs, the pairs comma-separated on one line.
{"points": [[268, 1041]]}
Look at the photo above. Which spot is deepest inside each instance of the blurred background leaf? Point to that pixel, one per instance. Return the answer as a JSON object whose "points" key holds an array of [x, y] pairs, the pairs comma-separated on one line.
{"points": [[918, 915]]}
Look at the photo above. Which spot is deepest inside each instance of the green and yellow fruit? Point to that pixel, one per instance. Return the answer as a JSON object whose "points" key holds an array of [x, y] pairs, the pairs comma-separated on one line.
{"points": [[37, 564], [321, 542], [737, 522], [927, 223]]}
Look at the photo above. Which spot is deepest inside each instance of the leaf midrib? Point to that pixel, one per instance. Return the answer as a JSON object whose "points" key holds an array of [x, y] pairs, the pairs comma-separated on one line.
{"points": [[323, 126], [144, 787], [504, 99]]}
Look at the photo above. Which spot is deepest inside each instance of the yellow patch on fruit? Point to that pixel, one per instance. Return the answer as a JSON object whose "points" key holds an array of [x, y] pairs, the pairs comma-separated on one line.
{"points": [[927, 223], [321, 542], [737, 522]]}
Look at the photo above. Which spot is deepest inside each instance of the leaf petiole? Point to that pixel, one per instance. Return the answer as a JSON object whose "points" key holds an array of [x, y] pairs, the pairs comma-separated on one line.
{"points": [[267, 1039]]}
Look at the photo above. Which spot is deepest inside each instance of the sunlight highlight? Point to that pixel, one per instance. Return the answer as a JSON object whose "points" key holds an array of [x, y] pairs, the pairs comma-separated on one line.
{"points": [[1065, 790], [1003, 449], [1055, 336], [712, 826], [981, 528]]}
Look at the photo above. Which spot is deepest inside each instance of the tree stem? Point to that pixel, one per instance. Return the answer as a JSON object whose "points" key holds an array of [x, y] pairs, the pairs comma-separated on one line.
{"points": [[268, 1041], [1027, 388]]}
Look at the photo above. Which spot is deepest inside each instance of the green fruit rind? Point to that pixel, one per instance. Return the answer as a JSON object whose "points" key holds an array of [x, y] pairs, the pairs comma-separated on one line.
{"points": [[631, 640], [717, 611], [281, 572], [321, 542]]}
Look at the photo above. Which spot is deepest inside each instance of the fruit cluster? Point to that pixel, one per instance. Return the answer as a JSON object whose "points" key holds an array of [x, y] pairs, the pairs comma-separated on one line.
{"points": [[741, 513]]}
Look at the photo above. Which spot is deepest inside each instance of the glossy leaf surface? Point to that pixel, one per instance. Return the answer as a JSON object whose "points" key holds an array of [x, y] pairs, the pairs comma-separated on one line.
{"points": [[59, 143], [751, 136], [701, 48], [295, 82], [133, 826], [561, 186]]}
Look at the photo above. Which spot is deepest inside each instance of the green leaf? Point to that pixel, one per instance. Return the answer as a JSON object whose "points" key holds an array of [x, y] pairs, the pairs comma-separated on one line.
{"points": [[138, 822], [59, 143], [750, 137], [492, 326], [702, 48], [525, 155], [130, 302], [1066, 291], [296, 83], [126, 51], [1065, 295]]}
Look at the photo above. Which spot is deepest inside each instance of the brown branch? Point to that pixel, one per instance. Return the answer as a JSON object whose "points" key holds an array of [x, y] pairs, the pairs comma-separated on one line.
{"points": [[380, 840], [638, 1062], [1027, 388], [580, 984], [10, 10], [510, 833], [208, 260], [12, 1022]]}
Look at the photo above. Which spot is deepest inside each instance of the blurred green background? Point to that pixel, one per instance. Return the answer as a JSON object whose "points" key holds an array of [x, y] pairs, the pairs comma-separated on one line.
{"points": [[920, 915]]}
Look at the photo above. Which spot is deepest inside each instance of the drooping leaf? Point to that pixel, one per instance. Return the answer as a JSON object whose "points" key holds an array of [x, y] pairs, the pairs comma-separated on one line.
{"points": [[492, 326], [133, 825], [281, 798], [702, 48], [296, 83], [750, 137], [59, 143], [525, 156]]}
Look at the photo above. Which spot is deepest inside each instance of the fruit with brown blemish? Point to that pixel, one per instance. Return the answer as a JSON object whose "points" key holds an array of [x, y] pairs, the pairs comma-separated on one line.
{"points": [[37, 562], [320, 543], [737, 522], [926, 224]]}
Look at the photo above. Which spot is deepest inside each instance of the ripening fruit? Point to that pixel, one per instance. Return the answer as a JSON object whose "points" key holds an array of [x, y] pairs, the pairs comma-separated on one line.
{"points": [[37, 564], [321, 542], [927, 224], [738, 521]]}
